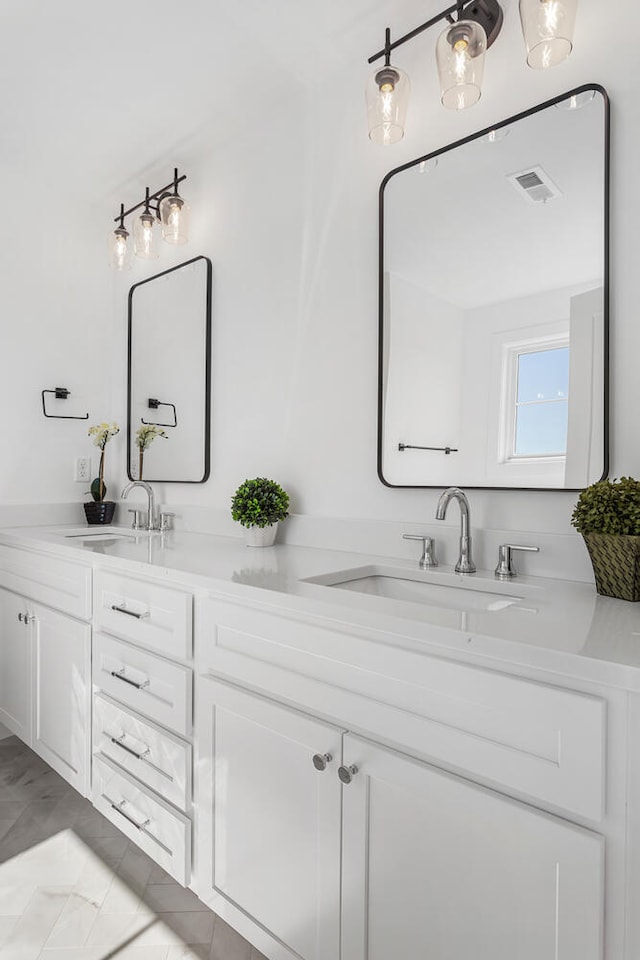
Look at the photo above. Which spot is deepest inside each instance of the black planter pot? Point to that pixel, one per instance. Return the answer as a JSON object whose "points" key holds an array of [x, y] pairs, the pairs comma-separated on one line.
{"points": [[99, 512]]}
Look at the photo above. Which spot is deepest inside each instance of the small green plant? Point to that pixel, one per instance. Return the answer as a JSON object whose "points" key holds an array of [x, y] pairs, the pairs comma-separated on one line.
{"points": [[259, 503], [101, 433], [609, 506]]}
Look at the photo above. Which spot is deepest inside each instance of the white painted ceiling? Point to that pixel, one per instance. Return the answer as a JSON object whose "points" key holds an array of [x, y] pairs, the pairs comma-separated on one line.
{"points": [[95, 95], [100, 90]]}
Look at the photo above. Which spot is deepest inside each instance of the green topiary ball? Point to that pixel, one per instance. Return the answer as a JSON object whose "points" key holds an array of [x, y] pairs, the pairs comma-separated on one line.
{"points": [[259, 503], [609, 506]]}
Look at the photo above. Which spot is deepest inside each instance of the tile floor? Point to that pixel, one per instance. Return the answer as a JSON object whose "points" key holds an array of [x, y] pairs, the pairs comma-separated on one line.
{"points": [[72, 887]]}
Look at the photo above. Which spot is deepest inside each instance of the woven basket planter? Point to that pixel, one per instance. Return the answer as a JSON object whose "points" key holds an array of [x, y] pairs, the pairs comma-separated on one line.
{"points": [[616, 564]]}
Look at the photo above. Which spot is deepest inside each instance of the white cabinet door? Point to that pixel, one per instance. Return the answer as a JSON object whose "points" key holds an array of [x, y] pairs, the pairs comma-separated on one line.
{"points": [[16, 650], [62, 693], [268, 820], [437, 867]]}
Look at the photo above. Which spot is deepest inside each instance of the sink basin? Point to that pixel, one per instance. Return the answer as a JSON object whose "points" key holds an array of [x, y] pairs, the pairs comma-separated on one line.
{"points": [[448, 591], [100, 535]]}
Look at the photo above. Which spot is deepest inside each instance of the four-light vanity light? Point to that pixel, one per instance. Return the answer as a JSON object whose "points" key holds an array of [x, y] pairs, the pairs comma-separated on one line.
{"points": [[165, 208], [473, 25]]}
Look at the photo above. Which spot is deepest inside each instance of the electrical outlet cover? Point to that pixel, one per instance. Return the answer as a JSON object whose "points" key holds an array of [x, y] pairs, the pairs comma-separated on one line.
{"points": [[82, 470]]}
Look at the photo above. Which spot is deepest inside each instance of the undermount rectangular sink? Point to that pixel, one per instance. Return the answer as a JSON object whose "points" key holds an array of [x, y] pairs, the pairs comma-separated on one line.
{"points": [[99, 535], [443, 590]]}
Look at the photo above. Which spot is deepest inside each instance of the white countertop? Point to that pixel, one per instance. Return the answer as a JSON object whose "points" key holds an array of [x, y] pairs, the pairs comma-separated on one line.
{"points": [[554, 625]]}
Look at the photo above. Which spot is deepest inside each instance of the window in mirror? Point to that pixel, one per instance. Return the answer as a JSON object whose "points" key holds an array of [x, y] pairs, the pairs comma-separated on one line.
{"points": [[541, 403], [476, 261]]}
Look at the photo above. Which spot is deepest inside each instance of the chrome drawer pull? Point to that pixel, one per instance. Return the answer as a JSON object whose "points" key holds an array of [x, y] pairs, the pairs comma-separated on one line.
{"points": [[118, 808], [130, 613], [119, 675], [119, 742], [142, 827]]}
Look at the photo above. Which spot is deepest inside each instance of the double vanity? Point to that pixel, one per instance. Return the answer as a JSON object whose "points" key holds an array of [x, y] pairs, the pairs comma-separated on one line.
{"points": [[344, 756]]}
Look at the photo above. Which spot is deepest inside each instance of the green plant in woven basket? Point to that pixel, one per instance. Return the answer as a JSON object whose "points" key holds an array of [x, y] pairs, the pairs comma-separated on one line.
{"points": [[607, 515], [259, 503], [609, 506]]}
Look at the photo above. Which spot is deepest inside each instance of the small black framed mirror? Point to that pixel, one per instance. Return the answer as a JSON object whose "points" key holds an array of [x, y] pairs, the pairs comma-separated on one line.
{"points": [[169, 375]]}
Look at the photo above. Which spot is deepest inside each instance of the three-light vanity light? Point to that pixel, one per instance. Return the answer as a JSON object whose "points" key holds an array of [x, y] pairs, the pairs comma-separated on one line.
{"points": [[165, 210], [473, 25]]}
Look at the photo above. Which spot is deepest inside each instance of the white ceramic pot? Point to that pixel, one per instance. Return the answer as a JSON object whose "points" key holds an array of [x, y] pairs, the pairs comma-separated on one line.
{"points": [[260, 536]]}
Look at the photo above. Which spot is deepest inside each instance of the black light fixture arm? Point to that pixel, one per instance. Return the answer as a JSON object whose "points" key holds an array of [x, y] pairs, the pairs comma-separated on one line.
{"points": [[486, 12], [149, 197]]}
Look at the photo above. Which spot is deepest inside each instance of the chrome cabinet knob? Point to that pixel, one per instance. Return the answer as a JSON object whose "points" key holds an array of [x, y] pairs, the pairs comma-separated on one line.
{"points": [[21, 617], [346, 774], [321, 760]]}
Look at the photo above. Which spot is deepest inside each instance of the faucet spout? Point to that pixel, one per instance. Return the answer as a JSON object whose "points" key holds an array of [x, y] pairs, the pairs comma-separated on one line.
{"points": [[152, 521], [465, 562]]}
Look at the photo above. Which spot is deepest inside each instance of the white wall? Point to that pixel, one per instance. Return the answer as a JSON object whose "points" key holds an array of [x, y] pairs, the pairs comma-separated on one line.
{"points": [[288, 213], [424, 392]]}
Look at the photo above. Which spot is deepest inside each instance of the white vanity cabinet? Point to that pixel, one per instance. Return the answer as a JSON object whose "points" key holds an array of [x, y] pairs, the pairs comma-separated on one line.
{"points": [[428, 862], [436, 866], [142, 714], [270, 804], [45, 655], [16, 666]]}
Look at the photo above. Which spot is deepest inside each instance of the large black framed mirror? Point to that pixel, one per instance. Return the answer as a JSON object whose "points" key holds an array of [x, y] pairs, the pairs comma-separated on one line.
{"points": [[169, 374], [493, 305]]}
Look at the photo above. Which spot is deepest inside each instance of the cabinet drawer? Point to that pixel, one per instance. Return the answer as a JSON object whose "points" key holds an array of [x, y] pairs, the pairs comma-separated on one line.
{"points": [[158, 758], [151, 614], [163, 833], [543, 741], [60, 584], [153, 686]]}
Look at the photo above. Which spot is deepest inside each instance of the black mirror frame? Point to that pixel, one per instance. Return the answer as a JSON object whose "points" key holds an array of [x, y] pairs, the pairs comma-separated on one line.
{"points": [[606, 215], [207, 413]]}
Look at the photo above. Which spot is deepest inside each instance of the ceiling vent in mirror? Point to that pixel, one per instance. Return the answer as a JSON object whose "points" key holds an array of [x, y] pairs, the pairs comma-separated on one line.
{"points": [[535, 185]]}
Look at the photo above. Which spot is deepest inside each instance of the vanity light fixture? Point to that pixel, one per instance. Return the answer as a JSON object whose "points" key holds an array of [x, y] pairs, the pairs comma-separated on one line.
{"points": [[473, 25], [165, 207]]}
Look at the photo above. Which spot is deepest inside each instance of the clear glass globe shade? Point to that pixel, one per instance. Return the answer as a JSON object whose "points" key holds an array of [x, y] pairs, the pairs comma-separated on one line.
{"points": [[174, 217], [144, 237], [547, 26], [460, 54], [387, 96]]}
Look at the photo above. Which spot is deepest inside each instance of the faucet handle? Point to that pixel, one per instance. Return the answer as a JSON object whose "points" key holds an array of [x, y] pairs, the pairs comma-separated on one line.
{"points": [[166, 521], [138, 522], [428, 558], [504, 570]]}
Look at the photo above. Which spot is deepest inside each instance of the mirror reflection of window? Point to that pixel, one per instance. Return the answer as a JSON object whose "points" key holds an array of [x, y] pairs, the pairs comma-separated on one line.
{"points": [[542, 403]]}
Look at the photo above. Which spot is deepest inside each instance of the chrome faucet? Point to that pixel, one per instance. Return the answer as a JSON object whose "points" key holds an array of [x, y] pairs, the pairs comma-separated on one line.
{"points": [[152, 520], [465, 562]]}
